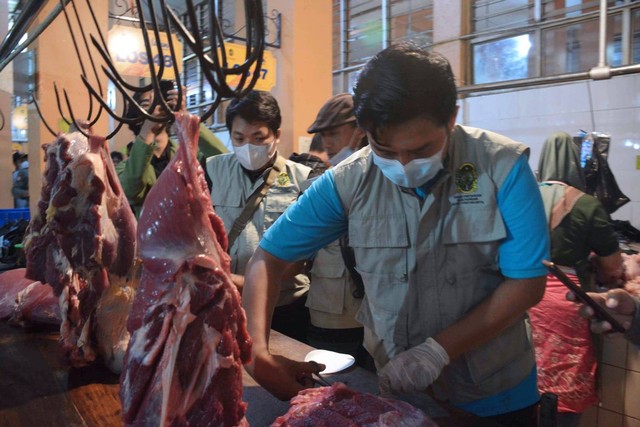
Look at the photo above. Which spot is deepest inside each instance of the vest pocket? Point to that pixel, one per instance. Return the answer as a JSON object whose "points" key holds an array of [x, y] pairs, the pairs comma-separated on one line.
{"points": [[277, 200], [490, 358], [326, 293]]}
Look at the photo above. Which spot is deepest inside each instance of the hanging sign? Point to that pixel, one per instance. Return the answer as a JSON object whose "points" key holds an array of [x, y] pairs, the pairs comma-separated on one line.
{"points": [[126, 47], [236, 56]]}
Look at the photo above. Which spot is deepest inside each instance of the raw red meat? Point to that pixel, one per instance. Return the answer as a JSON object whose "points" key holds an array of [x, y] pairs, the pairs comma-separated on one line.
{"points": [[339, 406], [36, 305], [188, 330], [25, 301], [82, 233], [11, 283]]}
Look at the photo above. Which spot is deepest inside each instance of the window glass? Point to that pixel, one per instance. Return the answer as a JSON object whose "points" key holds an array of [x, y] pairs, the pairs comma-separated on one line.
{"points": [[505, 59], [365, 30], [574, 48], [554, 9], [412, 20], [191, 77], [497, 14]]}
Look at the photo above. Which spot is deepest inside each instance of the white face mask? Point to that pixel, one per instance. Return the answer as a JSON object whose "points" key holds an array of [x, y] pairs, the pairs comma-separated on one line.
{"points": [[413, 174], [341, 155], [253, 157]]}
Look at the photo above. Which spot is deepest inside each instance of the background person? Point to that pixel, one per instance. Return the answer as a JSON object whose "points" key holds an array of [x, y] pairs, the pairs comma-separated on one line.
{"points": [[337, 125], [254, 126], [153, 148], [116, 157], [316, 158], [448, 232], [579, 226], [20, 187]]}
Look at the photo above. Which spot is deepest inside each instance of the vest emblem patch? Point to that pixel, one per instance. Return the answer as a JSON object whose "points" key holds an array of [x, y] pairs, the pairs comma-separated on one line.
{"points": [[283, 180], [467, 178]]}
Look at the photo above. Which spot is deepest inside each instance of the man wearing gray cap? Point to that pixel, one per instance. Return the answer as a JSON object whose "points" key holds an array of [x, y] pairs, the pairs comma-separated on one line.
{"points": [[337, 125]]}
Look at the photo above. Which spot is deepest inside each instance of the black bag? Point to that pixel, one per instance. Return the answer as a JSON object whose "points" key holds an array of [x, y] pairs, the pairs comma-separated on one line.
{"points": [[12, 234], [602, 184]]}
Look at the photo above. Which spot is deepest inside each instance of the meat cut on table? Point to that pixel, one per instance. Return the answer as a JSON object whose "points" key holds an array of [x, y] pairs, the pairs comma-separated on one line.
{"points": [[188, 331], [340, 406], [81, 239], [26, 301]]}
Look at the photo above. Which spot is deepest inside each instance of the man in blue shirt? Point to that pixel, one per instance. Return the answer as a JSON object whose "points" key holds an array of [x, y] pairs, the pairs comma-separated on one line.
{"points": [[449, 232]]}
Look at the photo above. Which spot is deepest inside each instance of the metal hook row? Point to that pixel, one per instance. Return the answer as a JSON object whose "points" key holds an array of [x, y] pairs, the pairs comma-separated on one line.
{"points": [[214, 65]]}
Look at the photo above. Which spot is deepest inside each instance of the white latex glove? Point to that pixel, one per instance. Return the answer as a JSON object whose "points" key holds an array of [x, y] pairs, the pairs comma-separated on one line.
{"points": [[414, 369]]}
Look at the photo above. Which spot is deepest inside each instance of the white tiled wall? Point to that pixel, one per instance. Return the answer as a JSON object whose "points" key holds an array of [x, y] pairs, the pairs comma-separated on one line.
{"points": [[607, 106]]}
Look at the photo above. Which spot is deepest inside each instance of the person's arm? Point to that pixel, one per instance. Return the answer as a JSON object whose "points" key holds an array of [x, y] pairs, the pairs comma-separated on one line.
{"points": [[281, 376], [138, 176], [316, 220], [601, 239]]}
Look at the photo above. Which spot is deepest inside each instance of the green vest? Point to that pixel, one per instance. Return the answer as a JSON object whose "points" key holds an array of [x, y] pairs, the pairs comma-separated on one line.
{"points": [[426, 264]]}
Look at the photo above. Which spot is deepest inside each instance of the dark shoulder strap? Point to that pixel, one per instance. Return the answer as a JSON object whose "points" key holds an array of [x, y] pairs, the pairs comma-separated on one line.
{"points": [[254, 200], [349, 258]]}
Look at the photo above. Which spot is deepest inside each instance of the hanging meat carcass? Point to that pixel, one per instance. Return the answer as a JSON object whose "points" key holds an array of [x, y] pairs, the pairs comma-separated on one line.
{"points": [[188, 330], [81, 239]]}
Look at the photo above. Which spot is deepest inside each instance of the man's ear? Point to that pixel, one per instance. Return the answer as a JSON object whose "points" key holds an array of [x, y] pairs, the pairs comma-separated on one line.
{"points": [[357, 136], [452, 120], [277, 134]]}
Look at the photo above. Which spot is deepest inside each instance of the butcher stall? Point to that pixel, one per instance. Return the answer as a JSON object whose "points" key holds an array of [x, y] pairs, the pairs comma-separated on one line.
{"points": [[38, 389]]}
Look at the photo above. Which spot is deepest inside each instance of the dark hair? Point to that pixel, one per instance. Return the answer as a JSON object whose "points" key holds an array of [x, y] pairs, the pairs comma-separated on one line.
{"points": [[316, 143], [17, 156], [257, 106], [133, 113], [116, 155], [401, 83]]}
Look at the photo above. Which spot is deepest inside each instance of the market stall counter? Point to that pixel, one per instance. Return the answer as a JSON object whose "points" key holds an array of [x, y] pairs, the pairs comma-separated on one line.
{"points": [[38, 389]]}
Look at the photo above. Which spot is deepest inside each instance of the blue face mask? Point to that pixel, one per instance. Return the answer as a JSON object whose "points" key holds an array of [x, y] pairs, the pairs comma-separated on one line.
{"points": [[412, 175]]}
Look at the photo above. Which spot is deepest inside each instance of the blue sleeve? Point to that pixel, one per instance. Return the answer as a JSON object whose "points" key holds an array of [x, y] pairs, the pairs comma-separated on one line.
{"points": [[311, 223], [527, 242]]}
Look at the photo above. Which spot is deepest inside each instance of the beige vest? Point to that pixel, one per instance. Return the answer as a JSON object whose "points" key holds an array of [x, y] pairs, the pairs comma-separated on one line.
{"points": [[426, 264], [330, 300], [231, 188]]}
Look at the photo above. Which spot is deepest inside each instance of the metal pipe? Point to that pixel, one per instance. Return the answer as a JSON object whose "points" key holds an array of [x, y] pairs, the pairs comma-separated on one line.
{"points": [[24, 20], [540, 81], [516, 84], [33, 34], [385, 23], [602, 58]]}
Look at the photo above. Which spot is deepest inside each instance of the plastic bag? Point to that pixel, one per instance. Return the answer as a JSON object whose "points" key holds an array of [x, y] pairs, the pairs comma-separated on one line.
{"points": [[602, 184]]}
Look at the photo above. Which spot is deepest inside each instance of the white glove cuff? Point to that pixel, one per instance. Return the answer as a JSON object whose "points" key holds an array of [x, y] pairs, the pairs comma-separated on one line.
{"points": [[438, 351]]}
